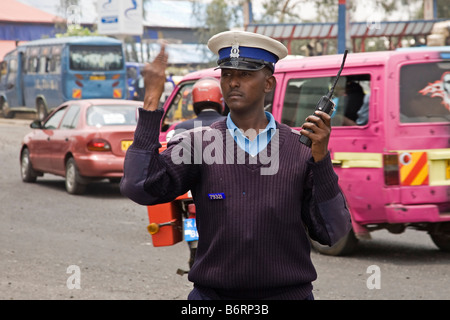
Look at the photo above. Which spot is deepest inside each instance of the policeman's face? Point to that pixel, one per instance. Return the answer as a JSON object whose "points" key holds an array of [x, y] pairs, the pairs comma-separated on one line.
{"points": [[245, 89]]}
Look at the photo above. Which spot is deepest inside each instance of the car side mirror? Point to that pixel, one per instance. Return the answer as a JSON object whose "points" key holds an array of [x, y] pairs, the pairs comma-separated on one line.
{"points": [[36, 124]]}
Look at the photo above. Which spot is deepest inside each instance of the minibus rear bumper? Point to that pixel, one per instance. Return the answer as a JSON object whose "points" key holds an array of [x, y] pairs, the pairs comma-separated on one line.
{"points": [[397, 213]]}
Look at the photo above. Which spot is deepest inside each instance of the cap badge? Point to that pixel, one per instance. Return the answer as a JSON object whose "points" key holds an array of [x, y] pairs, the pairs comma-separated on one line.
{"points": [[234, 55]]}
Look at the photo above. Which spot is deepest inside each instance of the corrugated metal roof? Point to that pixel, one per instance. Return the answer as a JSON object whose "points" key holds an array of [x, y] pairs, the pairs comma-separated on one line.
{"points": [[15, 11], [357, 29]]}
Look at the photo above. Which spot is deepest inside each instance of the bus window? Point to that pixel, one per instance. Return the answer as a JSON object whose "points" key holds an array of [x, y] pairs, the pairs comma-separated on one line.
{"points": [[55, 63], [43, 65], [44, 60], [12, 73], [32, 64], [3, 68], [95, 58]]}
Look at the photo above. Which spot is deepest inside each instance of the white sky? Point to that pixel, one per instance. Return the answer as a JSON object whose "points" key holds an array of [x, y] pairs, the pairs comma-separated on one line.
{"points": [[366, 10]]}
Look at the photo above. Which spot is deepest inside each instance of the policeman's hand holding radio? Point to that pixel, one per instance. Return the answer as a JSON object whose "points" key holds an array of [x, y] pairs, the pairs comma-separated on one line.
{"points": [[320, 125]]}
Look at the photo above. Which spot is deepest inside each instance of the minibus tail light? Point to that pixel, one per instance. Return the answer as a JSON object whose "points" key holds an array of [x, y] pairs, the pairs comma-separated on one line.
{"points": [[116, 76], [79, 76], [391, 169]]}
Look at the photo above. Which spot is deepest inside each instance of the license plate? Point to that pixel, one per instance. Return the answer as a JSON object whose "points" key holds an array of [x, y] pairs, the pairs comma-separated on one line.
{"points": [[190, 230], [447, 170], [97, 78], [125, 144]]}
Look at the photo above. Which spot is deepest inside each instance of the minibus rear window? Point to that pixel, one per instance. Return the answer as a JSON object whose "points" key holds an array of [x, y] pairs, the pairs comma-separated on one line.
{"points": [[425, 92]]}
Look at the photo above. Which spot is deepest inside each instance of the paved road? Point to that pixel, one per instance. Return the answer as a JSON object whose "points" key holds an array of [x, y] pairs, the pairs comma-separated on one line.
{"points": [[44, 231]]}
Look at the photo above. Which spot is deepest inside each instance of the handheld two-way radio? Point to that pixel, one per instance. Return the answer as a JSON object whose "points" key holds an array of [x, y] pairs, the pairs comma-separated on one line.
{"points": [[325, 104]]}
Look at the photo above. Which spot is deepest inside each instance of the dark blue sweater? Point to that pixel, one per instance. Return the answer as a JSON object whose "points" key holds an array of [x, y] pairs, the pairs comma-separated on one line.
{"points": [[253, 242]]}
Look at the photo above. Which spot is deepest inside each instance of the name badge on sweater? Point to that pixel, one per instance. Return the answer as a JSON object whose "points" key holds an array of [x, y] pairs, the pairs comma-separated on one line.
{"points": [[216, 196]]}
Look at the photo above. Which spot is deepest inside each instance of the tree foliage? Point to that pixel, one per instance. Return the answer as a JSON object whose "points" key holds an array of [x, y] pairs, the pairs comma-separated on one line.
{"points": [[214, 17]]}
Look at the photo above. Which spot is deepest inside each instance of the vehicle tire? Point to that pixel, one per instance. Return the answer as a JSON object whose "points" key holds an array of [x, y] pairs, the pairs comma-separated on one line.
{"points": [[441, 240], [26, 169], [4, 108], [41, 110], [343, 247], [192, 251], [73, 178]]}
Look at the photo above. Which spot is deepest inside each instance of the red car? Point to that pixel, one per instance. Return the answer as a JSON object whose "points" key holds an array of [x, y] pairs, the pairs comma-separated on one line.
{"points": [[82, 140]]}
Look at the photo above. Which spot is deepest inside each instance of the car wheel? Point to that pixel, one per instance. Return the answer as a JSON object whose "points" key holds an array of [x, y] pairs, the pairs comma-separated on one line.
{"points": [[26, 170], [73, 184], [343, 247]]}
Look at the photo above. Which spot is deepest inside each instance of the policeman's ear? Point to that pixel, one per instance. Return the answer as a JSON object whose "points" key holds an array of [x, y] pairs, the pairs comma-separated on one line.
{"points": [[270, 82]]}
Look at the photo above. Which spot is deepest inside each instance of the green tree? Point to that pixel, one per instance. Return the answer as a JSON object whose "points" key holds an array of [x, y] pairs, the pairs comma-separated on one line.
{"points": [[70, 10], [443, 10], [215, 17]]}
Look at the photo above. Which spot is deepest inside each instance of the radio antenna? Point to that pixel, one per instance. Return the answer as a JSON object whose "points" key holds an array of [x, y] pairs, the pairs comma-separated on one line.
{"points": [[330, 93]]}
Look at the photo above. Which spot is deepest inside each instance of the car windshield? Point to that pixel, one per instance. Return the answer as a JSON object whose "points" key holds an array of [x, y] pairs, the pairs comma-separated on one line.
{"points": [[111, 115]]}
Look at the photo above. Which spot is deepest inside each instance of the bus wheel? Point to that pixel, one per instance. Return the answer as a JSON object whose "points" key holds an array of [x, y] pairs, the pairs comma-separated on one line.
{"points": [[26, 170], [441, 237], [4, 108], [41, 110], [343, 247], [73, 184]]}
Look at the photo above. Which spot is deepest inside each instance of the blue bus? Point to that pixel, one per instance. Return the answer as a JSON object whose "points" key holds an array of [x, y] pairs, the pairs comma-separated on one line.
{"points": [[39, 75]]}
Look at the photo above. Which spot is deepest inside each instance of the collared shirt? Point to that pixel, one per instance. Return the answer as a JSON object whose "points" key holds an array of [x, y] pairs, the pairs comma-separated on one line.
{"points": [[253, 147]]}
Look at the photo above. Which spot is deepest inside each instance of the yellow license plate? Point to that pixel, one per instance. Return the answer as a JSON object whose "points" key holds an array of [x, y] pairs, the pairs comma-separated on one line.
{"points": [[447, 170], [97, 78], [125, 144]]}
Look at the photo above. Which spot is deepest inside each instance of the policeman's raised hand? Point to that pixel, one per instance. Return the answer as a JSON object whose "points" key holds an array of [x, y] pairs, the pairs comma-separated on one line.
{"points": [[320, 125], [154, 79]]}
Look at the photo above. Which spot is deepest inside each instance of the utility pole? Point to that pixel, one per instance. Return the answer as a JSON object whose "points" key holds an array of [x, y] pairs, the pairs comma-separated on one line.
{"points": [[342, 26], [430, 9], [248, 13]]}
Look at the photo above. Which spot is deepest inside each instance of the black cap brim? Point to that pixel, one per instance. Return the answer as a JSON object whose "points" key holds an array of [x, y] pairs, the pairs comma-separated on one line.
{"points": [[246, 64]]}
